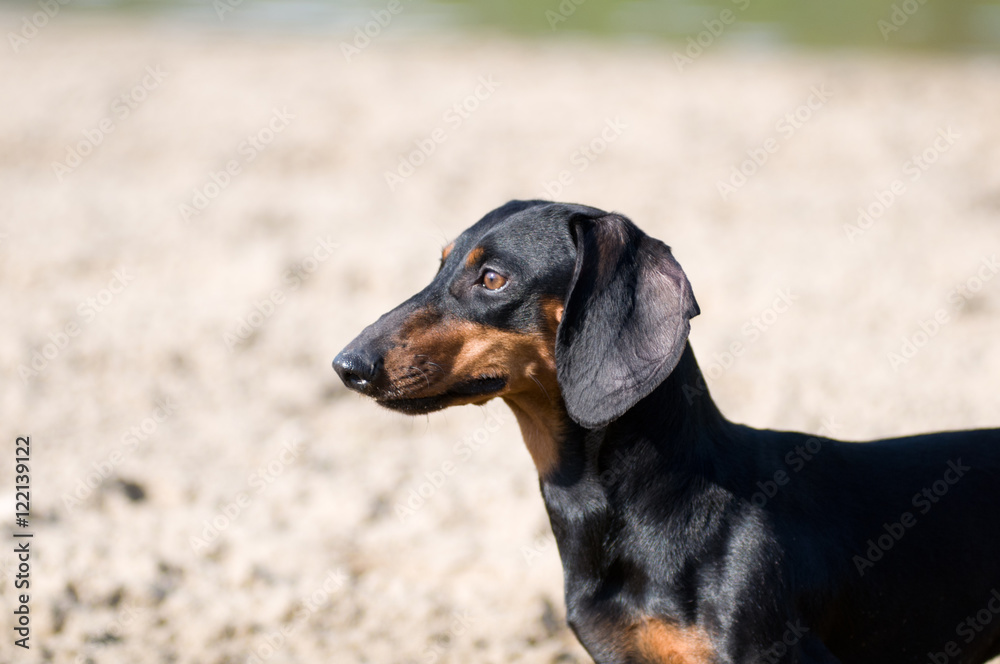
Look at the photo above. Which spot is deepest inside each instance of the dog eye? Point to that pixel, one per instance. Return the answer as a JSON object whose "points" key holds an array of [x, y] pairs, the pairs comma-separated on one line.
{"points": [[493, 281]]}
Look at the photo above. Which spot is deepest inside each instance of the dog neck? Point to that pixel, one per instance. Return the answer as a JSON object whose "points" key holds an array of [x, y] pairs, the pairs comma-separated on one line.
{"points": [[650, 453], [675, 424], [676, 430], [543, 426]]}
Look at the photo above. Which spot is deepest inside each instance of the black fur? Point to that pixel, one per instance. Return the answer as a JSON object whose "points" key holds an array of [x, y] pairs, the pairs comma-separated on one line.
{"points": [[780, 546]]}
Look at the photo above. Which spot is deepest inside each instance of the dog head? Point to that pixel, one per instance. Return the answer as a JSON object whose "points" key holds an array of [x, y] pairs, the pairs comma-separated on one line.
{"points": [[555, 303]]}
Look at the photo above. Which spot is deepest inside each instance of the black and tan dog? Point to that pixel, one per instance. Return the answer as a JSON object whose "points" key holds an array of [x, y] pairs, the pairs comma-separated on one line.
{"points": [[684, 537]]}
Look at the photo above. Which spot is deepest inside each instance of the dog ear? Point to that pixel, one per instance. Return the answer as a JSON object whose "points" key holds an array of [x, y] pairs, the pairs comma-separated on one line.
{"points": [[626, 319]]}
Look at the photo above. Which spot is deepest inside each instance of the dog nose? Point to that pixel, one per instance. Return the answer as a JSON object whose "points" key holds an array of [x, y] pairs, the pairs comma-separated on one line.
{"points": [[359, 369]]}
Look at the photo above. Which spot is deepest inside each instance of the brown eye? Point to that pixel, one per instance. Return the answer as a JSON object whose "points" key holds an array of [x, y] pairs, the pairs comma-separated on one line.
{"points": [[493, 281]]}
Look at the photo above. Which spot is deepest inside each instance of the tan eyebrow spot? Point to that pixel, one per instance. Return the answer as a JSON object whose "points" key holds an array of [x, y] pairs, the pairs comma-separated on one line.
{"points": [[474, 256], [446, 251]]}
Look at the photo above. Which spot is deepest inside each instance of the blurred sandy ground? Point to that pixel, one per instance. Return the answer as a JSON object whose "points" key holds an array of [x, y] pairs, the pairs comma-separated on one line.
{"points": [[312, 542]]}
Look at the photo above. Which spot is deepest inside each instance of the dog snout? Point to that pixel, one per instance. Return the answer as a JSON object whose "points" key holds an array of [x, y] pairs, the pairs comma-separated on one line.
{"points": [[361, 369]]}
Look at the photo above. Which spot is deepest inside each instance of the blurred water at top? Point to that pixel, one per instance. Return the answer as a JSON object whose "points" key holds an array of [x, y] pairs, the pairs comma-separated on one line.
{"points": [[907, 24]]}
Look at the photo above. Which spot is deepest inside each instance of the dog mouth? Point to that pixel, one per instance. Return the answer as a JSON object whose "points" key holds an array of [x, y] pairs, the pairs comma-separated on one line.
{"points": [[473, 390]]}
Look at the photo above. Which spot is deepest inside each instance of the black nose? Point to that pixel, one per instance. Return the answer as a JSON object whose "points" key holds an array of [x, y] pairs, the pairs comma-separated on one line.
{"points": [[359, 369]]}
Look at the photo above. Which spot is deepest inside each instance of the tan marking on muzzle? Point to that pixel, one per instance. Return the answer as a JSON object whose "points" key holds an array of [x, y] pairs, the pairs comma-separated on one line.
{"points": [[434, 353]]}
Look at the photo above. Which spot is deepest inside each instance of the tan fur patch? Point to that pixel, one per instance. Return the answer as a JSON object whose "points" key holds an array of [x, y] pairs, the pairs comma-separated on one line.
{"points": [[474, 256], [552, 310], [659, 642], [435, 353], [540, 412], [446, 251]]}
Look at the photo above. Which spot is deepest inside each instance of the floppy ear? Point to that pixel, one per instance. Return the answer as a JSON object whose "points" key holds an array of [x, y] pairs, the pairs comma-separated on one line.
{"points": [[626, 319]]}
